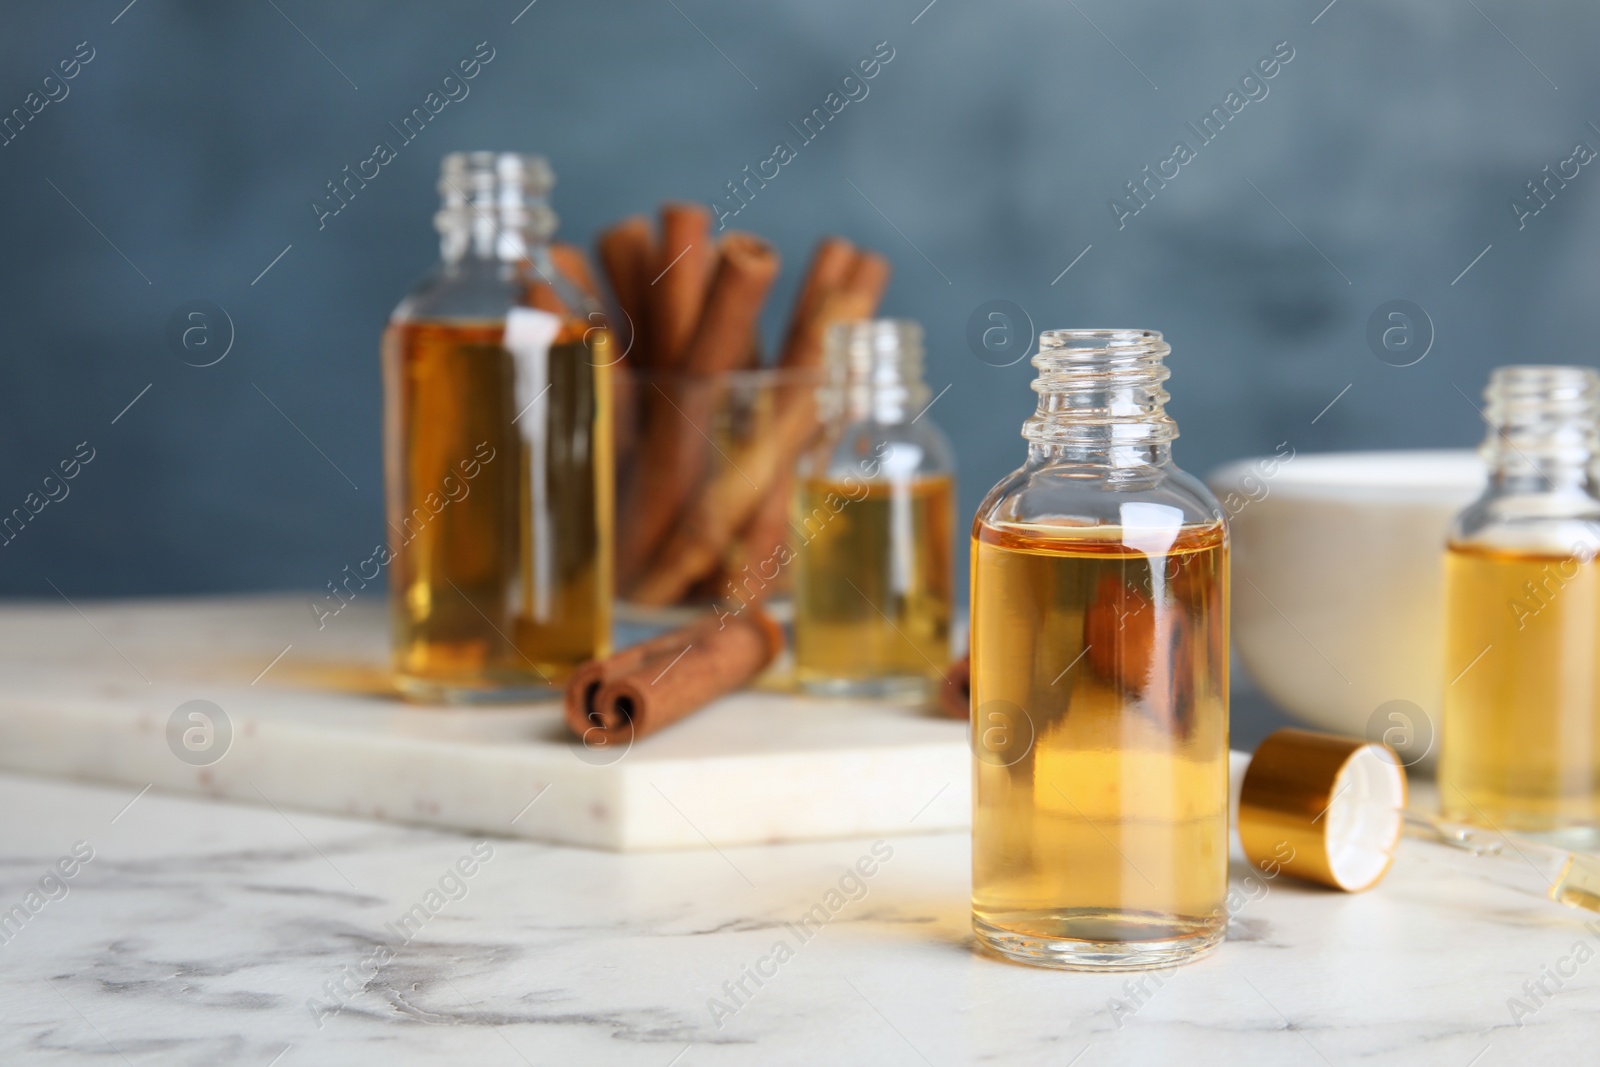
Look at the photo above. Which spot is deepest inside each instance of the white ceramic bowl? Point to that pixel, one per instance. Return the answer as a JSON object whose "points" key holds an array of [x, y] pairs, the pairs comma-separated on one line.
{"points": [[1338, 578]]}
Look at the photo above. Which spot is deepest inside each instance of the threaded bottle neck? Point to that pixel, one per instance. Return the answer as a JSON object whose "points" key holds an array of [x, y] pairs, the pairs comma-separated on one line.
{"points": [[494, 206], [875, 370], [1100, 396], [1544, 426]]}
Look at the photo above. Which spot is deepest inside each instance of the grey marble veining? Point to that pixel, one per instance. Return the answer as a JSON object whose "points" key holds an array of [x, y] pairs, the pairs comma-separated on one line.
{"points": [[206, 933]]}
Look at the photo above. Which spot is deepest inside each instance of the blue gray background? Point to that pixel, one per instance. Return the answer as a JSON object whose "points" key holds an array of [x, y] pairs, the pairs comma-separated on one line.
{"points": [[189, 150]]}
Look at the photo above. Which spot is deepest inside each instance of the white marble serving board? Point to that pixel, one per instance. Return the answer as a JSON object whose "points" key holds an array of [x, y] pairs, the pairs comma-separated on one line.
{"points": [[88, 692]]}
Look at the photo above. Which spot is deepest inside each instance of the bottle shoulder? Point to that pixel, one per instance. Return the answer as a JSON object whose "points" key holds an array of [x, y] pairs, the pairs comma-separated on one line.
{"points": [[1563, 522], [486, 290], [450, 292], [1079, 495], [878, 450]]}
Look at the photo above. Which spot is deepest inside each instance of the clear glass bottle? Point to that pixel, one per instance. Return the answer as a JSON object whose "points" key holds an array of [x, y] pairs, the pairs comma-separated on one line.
{"points": [[873, 524], [1520, 740], [1100, 676], [497, 450]]}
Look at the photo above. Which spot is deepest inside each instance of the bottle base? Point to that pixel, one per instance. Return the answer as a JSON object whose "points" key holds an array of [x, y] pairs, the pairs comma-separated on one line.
{"points": [[1537, 825], [414, 689], [1101, 940], [899, 689], [1573, 838]]}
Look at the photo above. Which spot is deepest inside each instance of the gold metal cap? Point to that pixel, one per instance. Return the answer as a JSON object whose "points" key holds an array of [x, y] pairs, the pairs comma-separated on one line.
{"points": [[1323, 808]]}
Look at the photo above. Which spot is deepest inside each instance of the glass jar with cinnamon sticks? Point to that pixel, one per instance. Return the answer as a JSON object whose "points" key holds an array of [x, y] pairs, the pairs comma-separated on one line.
{"points": [[874, 521], [708, 433], [497, 448]]}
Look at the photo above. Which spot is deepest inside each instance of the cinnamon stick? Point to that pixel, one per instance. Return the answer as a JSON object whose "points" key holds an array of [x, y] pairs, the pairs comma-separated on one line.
{"points": [[868, 277], [677, 427], [627, 253], [678, 286], [540, 294], [584, 684], [844, 304], [725, 505], [755, 569], [573, 265], [830, 265], [645, 688], [955, 692], [746, 268]]}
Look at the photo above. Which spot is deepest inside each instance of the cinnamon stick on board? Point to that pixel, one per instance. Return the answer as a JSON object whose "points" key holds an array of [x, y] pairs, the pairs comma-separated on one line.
{"points": [[585, 683], [678, 285], [676, 432], [644, 688]]}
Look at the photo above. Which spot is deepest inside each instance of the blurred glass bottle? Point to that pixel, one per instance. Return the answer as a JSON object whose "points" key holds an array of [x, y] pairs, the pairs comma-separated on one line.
{"points": [[874, 520], [1520, 740], [497, 450], [1100, 676]]}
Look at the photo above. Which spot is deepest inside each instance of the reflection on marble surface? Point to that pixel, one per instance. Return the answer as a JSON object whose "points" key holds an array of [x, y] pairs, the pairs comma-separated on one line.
{"points": [[209, 933]]}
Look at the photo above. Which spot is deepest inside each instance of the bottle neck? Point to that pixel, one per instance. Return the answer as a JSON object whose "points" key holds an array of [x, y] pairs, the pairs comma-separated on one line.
{"points": [[1101, 402], [875, 371], [494, 208], [1544, 429]]}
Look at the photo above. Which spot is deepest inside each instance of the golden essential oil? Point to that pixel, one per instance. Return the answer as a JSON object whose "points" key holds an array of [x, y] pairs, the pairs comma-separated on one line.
{"points": [[1520, 740], [500, 506], [1100, 709], [873, 583]]}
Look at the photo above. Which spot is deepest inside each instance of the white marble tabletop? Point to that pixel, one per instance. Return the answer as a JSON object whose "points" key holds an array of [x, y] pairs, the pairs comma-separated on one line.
{"points": [[207, 933]]}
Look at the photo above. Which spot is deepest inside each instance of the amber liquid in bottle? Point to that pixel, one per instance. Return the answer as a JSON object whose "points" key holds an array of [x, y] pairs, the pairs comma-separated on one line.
{"points": [[873, 588], [1099, 695], [499, 508], [1521, 731]]}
